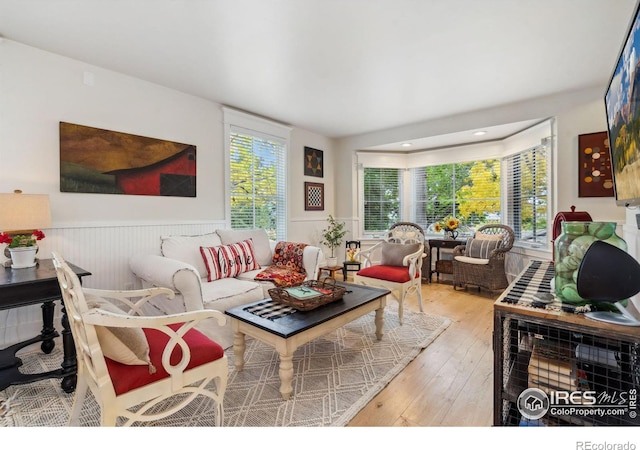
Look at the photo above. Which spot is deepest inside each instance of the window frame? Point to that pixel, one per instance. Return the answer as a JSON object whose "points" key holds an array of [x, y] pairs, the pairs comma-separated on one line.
{"points": [[257, 127]]}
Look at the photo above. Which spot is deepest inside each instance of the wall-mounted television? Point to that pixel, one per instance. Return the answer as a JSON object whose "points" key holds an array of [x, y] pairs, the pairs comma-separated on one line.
{"points": [[622, 104]]}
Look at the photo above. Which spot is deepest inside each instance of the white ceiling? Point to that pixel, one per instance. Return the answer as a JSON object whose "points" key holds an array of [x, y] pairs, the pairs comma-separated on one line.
{"points": [[341, 67]]}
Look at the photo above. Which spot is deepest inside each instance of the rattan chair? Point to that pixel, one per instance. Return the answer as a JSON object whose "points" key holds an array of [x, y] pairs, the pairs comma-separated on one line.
{"points": [[481, 261], [132, 364], [400, 269]]}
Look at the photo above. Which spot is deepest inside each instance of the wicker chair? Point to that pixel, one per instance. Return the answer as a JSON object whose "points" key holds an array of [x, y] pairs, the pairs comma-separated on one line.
{"points": [[481, 261], [400, 269]]}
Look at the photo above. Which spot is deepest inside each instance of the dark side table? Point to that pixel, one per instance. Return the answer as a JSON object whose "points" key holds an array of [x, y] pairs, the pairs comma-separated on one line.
{"points": [[442, 265], [31, 286]]}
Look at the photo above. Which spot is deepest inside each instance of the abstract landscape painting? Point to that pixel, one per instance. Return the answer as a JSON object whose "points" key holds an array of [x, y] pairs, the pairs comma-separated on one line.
{"points": [[93, 160]]}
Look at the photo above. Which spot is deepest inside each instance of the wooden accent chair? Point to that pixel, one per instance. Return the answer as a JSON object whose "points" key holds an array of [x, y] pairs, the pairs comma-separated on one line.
{"points": [[133, 364], [481, 261], [400, 267], [347, 264]]}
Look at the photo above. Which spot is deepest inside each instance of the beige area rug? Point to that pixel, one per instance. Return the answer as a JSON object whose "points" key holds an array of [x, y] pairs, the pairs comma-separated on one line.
{"points": [[335, 377]]}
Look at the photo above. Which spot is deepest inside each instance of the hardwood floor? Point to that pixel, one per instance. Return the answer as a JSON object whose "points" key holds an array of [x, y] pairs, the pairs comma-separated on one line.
{"points": [[450, 383]]}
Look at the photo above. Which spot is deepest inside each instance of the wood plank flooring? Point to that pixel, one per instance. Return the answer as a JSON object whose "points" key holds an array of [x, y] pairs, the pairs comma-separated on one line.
{"points": [[450, 383]]}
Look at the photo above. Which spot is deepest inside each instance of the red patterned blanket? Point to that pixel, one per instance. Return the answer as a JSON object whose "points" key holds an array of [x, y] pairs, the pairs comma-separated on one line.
{"points": [[287, 268]]}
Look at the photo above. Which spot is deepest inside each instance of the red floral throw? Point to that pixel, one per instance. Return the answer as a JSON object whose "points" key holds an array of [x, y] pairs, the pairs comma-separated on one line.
{"points": [[287, 268]]}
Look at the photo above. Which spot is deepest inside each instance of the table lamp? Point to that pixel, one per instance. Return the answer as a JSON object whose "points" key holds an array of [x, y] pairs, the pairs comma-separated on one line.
{"points": [[24, 213], [609, 274]]}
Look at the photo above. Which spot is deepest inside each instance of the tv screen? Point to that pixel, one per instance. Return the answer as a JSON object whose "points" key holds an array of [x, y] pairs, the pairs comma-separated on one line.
{"points": [[623, 118]]}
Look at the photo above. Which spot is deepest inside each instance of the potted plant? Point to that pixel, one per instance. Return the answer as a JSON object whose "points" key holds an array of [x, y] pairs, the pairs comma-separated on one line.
{"points": [[332, 237], [22, 247]]}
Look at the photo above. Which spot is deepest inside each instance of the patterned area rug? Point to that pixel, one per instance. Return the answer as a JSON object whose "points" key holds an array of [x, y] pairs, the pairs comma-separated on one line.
{"points": [[335, 376]]}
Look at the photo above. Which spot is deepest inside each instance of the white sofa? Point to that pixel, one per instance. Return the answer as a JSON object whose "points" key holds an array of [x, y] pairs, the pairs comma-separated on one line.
{"points": [[180, 267]]}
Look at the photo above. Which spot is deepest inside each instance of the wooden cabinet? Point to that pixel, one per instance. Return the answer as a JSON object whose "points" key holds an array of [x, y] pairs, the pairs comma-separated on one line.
{"points": [[589, 371]]}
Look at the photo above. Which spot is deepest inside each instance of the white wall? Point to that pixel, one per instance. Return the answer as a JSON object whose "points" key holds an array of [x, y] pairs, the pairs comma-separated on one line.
{"points": [[99, 232]]}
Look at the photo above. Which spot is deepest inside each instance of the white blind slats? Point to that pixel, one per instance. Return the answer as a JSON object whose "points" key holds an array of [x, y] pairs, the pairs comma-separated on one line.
{"points": [[258, 184], [382, 189]]}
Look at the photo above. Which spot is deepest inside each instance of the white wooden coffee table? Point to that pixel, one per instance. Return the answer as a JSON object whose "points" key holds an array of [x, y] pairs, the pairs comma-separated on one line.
{"points": [[288, 332]]}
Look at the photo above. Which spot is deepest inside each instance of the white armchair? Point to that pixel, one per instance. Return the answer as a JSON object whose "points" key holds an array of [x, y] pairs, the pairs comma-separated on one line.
{"points": [[132, 364], [400, 268]]}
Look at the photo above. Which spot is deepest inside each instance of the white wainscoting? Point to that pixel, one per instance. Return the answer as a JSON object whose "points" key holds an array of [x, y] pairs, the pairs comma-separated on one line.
{"points": [[103, 251]]}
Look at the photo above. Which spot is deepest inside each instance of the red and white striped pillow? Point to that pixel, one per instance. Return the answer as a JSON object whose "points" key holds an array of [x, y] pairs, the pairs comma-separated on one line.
{"points": [[227, 261]]}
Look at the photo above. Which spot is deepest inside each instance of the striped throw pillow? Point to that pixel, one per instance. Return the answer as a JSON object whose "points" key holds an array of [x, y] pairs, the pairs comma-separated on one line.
{"points": [[228, 261], [480, 248]]}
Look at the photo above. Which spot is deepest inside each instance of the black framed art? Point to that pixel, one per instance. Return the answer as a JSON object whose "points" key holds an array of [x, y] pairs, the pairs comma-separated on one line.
{"points": [[313, 162], [313, 196]]}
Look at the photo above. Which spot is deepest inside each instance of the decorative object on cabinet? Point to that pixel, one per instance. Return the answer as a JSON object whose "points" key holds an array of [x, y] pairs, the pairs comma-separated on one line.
{"points": [[100, 161], [22, 216], [570, 248], [595, 177], [400, 267], [573, 215], [607, 273], [313, 162], [313, 196]]}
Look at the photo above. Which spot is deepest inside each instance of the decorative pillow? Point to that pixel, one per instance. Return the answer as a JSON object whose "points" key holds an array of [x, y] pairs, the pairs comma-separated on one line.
{"points": [[480, 248], [261, 245], [125, 345], [228, 261], [489, 236], [187, 249], [393, 254]]}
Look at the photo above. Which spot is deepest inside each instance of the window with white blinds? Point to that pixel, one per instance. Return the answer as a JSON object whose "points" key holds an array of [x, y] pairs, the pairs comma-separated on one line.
{"points": [[258, 182], [381, 191], [469, 191], [527, 195]]}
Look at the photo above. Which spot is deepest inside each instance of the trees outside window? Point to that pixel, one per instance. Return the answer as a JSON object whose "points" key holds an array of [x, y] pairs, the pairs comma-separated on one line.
{"points": [[469, 191], [381, 192]]}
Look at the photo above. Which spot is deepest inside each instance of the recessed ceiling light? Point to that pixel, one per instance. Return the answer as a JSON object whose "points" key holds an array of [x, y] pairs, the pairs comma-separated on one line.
{"points": [[479, 133], [407, 144]]}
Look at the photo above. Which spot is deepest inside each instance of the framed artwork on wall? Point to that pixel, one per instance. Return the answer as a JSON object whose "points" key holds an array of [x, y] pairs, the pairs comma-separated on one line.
{"points": [[313, 196], [313, 162], [595, 177], [98, 161]]}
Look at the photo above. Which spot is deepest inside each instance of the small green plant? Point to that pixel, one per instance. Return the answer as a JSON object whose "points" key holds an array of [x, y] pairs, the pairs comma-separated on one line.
{"points": [[333, 234]]}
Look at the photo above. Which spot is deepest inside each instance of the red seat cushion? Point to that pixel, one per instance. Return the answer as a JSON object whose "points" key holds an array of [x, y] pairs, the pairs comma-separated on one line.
{"points": [[395, 274], [126, 378]]}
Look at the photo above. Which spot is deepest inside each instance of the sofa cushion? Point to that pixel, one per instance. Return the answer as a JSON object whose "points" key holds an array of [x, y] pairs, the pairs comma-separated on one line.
{"points": [[125, 345], [480, 248], [260, 239], [187, 249], [228, 261], [393, 254]]}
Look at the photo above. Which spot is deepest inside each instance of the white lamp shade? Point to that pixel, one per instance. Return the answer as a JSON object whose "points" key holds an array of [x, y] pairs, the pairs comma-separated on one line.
{"points": [[22, 212]]}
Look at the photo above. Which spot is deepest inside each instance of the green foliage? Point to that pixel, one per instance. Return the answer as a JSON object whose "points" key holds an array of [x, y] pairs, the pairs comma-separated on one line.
{"points": [[382, 199], [332, 235]]}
